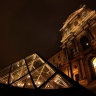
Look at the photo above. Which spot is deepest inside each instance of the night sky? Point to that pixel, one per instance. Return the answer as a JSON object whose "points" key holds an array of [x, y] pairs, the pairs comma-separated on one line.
{"points": [[28, 26]]}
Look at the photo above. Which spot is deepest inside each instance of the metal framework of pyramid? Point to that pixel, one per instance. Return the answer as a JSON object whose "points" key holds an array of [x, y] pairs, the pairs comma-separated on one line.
{"points": [[33, 72]]}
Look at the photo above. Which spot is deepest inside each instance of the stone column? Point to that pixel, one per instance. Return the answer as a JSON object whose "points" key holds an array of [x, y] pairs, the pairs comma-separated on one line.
{"points": [[67, 53], [76, 45], [70, 67], [92, 31], [93, 34], [79, 70], [82, 68], [88, 75], [75, 42], [69, 72]]}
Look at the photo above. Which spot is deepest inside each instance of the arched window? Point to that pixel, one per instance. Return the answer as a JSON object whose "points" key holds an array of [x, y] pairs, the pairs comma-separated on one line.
{"points": [[94, 64], [85, 42]]}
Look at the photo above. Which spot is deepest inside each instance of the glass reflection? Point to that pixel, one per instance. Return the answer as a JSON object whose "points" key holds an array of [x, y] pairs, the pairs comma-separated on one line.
{"points": [[16, 74], [40, 71], [31, 58], [18, 64], [48, 86], [4, 71], [57, 82], [24, 82], [4, 79], [35, 64], [41, 74]]}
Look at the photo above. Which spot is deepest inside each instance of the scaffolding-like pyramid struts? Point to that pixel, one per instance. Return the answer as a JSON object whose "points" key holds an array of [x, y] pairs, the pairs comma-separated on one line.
{"points": [[34, 72]]}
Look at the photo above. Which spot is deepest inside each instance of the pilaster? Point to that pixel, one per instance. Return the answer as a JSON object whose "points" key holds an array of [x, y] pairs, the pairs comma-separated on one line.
{"points": [[79, 70], [70, 66], [83, 75]]}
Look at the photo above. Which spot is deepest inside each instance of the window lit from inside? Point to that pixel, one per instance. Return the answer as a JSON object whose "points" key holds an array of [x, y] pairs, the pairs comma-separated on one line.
{"points": [[94, 63]]}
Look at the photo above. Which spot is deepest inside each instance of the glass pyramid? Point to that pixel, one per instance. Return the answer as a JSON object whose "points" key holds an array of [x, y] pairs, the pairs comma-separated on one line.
{"points": [[34, 72]]}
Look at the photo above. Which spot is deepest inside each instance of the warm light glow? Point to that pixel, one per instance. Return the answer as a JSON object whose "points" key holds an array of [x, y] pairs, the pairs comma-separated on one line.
{"points": [[39, 82], [28, 83], [18, 65], [55, 80], [42, 75], [12, 76], [87, 44], [20, 84], [28, 76], [94, 62], [23, 62]]}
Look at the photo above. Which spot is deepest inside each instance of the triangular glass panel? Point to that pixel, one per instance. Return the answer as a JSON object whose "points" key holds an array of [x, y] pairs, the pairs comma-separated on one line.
{"points": [[24, 82], [4, 79], [57, 82], [41, 74], [4, 75], [18, 70], [35, 72]]}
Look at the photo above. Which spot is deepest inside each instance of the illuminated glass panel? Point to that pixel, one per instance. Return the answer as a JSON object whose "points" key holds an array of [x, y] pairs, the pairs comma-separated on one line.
{"points": [[4, 71], [41, 74], [17, 64], [48, 86], [31, 58], [4, 79], [24, 82], [34, 64], [16, 74], [57, 82], [4, 75]]}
